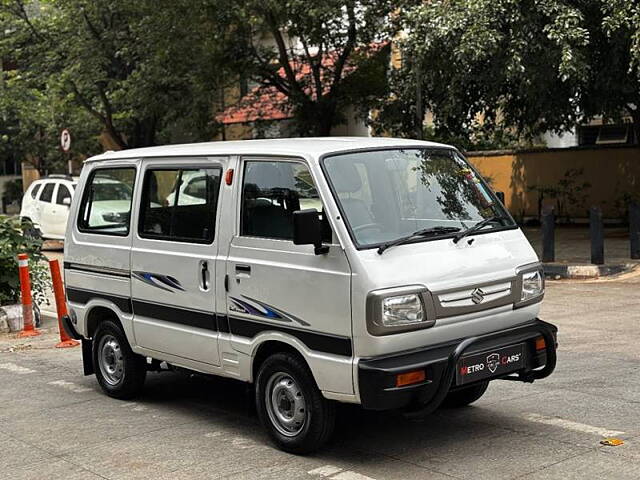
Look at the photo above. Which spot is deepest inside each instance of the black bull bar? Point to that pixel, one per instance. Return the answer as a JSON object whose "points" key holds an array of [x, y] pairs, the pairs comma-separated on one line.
{"points": [[546, 330]]}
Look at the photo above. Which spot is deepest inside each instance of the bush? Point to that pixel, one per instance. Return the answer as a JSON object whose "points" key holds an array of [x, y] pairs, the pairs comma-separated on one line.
{"points": [[19, 236], [13, 190]]}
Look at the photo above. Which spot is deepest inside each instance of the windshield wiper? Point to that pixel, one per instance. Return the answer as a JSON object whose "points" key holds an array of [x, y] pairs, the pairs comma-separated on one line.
{"points": [[475, 228], [420, 233]]}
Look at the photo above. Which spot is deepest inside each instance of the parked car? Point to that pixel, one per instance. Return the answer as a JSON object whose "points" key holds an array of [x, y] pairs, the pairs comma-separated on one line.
{"points": [[46, 203], [409, 285]]}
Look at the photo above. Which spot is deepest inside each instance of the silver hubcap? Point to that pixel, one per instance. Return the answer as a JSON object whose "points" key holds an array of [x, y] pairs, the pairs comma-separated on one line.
{"points": [[110, 360], [286, 405]]}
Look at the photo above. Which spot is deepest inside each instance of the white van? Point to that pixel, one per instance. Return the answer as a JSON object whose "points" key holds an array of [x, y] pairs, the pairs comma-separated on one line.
{"points": [[380, 272]]}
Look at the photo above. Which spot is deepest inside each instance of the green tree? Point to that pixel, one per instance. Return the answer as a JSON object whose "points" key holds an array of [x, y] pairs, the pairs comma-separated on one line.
{"points": [[613, 59], [319, 56], [138, 72], [523, 67], [33, 114]]}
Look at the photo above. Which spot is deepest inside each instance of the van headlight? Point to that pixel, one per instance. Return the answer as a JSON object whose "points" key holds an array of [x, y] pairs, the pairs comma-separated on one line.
{"points": [[402, 310], [399, 309], [531, 282]]}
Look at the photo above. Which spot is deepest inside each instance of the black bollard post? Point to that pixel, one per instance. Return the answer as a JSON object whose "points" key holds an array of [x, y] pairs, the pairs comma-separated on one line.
{"points": [[548, 236], [634, 230], [596, 230], [4, 205]]}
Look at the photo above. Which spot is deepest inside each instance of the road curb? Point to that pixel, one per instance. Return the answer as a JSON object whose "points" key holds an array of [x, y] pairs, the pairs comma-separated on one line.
{"points": [[557, 271], [48, 318]]}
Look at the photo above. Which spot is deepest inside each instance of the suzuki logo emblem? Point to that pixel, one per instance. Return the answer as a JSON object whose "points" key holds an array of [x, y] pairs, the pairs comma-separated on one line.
{"points": [[477, 296]]}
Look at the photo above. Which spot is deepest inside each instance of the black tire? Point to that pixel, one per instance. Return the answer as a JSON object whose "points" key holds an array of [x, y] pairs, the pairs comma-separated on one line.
{"points": [[289, 375], [129, 369], [465, 396]]}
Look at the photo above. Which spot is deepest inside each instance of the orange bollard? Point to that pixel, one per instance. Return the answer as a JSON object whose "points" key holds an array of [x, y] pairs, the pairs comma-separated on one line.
{"points": [[28, 330], [61, 306]]}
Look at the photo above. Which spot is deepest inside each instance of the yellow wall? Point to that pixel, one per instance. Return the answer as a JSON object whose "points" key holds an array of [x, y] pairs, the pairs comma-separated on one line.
{"points": [[611, 172]]}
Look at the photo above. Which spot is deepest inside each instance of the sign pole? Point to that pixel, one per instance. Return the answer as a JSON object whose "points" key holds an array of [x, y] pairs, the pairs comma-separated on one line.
{"points": [[65, 144]]}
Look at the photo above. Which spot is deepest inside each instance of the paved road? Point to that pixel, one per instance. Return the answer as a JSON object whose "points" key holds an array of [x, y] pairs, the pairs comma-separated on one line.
{"points": [[54, 423]]}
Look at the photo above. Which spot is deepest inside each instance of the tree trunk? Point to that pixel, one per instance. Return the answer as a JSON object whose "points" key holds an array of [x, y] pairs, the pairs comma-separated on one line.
{"points": [[324, 119], [324, 127], [635, 116]]}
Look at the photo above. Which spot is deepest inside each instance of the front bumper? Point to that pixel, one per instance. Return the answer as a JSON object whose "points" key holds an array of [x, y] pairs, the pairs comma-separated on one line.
{"points": [[377, 376]]}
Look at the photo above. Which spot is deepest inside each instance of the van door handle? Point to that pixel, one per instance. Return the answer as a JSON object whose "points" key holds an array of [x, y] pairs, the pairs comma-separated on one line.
{"points": [[243, 270], [204, 271]]}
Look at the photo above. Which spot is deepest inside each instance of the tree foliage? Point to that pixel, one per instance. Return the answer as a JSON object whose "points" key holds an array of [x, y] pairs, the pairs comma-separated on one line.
{"points": [[321, 56], [138, 72], [524, 67]]}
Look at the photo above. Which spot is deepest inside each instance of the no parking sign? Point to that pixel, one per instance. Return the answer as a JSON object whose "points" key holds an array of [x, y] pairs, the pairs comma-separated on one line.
{"points": [[65, 140]]}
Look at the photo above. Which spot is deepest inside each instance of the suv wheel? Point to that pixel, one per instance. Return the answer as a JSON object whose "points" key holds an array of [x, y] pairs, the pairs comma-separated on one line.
{"points": [[290, 407], [120, 372], [465, 396]]}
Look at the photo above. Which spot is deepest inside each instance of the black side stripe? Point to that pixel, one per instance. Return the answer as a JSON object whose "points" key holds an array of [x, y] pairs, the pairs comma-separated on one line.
{"points": [[320, 342], [182, 316], [113, 272], [77, 295]]}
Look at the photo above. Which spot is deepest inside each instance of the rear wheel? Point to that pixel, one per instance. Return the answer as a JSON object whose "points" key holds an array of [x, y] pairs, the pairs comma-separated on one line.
{"points": [[465, 396], [290, 407], [120, 372]]}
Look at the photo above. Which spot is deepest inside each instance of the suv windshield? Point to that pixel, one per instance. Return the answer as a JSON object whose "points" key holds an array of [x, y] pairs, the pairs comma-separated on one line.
{"points": [[389, 194]]}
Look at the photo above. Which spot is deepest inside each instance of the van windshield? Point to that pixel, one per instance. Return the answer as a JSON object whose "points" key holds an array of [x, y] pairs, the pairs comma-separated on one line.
{"points": [[389, 194]]}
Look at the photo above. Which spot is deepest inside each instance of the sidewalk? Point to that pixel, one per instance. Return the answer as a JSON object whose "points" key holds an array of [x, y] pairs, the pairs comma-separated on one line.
{"points": [[573, 252]]}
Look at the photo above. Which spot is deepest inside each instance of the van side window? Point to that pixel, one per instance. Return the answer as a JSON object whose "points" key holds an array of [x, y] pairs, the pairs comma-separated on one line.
{"points": [[180, 205], [271, 192], [47, 192], [106, 202], [35, 190]]}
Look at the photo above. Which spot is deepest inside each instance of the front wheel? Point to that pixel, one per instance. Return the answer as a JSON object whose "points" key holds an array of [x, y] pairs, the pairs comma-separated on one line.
{"points": [[290, 407], [465, 396], [119, 371]]}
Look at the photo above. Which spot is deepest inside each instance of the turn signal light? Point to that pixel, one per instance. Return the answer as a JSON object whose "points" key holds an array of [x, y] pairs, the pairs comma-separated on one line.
{"points": [[409, 378], [540, 343]]}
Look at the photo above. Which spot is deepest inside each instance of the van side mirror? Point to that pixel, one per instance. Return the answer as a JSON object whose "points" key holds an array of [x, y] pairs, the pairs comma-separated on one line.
{"points": [[500, 196], [307, 230], [66, 201]]}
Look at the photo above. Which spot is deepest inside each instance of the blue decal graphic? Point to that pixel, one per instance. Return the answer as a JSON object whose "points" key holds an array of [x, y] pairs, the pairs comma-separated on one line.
{"points": [[263, 310], [163, 282]]}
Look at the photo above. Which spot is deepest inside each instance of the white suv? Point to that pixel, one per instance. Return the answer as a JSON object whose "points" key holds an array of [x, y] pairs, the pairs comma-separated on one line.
{"points": [[46, 203]]}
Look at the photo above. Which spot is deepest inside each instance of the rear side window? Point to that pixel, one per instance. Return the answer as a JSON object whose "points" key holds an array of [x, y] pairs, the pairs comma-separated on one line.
{"points": [[106, 202], [35, 190], [47, 192], [271, 192], [63, 192], [180, 204]]}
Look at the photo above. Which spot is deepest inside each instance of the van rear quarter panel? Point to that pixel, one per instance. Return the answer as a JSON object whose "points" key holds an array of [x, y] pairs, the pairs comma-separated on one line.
{"points": [[110, 252]]}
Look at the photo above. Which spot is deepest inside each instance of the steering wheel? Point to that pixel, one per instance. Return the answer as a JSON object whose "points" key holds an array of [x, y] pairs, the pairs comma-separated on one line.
{"points": [[367, 226]]}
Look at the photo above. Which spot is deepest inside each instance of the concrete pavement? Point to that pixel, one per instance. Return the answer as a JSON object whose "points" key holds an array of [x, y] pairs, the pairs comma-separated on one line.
{"points": [[56, 424]]}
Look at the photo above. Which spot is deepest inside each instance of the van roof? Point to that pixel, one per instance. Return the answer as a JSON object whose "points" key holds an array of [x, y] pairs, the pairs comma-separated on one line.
{"points": [[281, 146]]}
